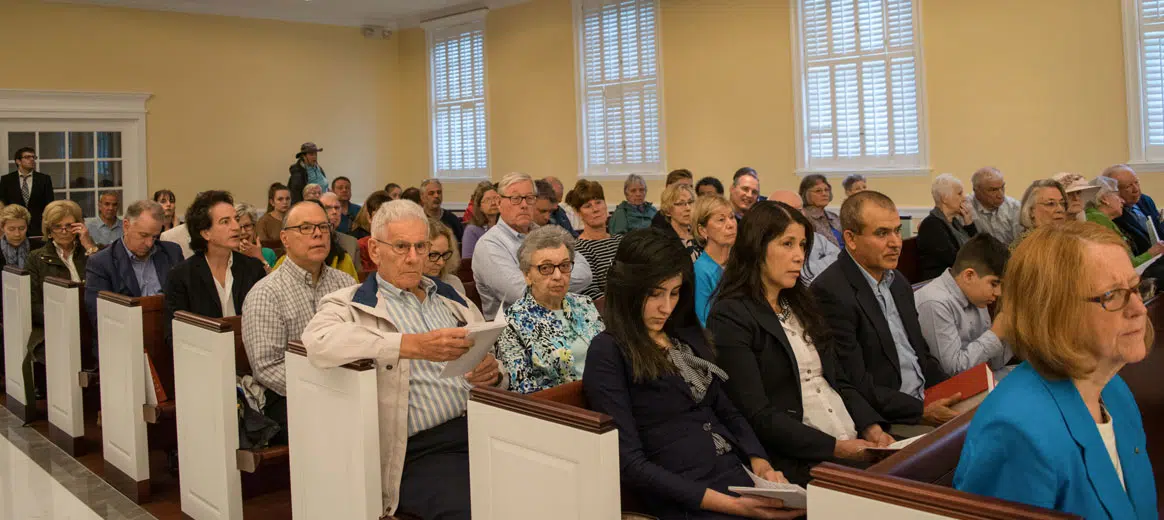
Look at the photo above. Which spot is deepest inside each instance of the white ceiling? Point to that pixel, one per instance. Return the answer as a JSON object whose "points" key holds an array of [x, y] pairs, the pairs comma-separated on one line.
{"points": [[388, 13]]}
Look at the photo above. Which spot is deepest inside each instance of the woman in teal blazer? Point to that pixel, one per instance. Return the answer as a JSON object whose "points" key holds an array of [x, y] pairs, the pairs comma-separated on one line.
{"points": [[1063, 431]]}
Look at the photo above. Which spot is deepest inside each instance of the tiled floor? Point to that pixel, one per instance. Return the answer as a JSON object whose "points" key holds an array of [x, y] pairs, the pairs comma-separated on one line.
{"points": [[39, 481]]}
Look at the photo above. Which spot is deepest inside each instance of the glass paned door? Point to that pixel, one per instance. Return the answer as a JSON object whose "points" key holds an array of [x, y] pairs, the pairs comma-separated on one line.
{"points": [[83, 160]]}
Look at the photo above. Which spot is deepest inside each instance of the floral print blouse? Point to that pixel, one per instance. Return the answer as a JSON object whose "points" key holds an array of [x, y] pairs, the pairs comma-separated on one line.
{"points": [[541, 348]]}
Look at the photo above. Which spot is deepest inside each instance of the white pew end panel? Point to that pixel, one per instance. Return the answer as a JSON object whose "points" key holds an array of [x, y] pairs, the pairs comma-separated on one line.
{"points": [[64, 321], [17, 301]]}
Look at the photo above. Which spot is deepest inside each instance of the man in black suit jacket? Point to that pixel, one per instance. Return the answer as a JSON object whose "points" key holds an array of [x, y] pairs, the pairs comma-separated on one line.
{"points": [[40, 188], [1139, 210], [890, 364]]}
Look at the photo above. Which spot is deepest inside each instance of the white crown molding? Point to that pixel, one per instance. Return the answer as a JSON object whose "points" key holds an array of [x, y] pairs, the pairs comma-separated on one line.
{"points": [[50, 103], [240, 9]]}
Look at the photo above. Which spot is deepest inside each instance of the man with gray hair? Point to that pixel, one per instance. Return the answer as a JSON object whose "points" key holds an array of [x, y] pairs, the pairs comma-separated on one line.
{"points": [[137, 264], [1141, 220], [106, 227], [431, 197], [495, 264], [994, 212], [411, 325]]}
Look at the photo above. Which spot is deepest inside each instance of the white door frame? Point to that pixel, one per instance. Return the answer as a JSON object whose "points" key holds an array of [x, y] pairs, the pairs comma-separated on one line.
{"points": [[120, 111]]}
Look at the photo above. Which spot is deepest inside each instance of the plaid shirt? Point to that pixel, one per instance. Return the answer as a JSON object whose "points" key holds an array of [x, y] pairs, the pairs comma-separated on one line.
{"points": [[276, 311]]}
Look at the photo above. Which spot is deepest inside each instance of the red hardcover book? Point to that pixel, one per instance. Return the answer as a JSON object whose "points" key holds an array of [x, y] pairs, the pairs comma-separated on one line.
{"points": [[160, 391], [978, 379]]}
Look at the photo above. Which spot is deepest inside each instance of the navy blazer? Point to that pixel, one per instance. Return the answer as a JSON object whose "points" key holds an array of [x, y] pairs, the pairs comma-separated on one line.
{"points": [[665, 446], [1136, 230], [864, 343], [1034, 441], [109, 270]]}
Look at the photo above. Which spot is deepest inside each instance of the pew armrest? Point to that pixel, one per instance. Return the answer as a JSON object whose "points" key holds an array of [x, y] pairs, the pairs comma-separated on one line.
{"points": [[543, 409], [931, 459], [88, 379], [249, 461], [297, 348], [937, 500], [155, 413]]}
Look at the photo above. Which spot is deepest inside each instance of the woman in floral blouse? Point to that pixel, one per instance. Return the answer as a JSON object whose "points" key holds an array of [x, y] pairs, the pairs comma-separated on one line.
{"points": [[549, 328]]}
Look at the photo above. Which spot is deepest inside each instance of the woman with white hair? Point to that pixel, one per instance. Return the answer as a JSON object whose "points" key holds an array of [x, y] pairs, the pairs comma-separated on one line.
{"points": [[1044, 203], [1107, 206], [949, 225], [634, 212]]}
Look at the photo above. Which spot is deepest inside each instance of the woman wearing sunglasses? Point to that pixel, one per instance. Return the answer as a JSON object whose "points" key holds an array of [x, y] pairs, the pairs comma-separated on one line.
{"points": [[443, 257], [549, 328]]}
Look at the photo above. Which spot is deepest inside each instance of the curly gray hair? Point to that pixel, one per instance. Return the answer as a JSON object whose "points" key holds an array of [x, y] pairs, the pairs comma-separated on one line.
{"points": [[545, 237]]}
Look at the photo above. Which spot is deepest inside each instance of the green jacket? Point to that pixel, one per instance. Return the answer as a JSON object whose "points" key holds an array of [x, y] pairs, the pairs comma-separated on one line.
{"points": [[1097, 216], [45, 262], [627, 218]]}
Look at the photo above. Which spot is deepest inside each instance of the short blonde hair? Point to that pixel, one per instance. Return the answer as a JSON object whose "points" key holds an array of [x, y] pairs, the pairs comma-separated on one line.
{"points": [[1041, 281], [701, 212], [671, 196], [436, 228], [56, 211], [12, 212], [1027, 207]]}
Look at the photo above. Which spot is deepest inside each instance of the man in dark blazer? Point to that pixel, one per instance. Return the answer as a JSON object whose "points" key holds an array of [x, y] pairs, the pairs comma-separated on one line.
{"points": [[876, 331], [1139, 210], [40, 188], [137, 264]]}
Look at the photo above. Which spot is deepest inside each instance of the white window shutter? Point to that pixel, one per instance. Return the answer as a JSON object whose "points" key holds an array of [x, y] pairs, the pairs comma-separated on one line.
{"points": [[619, 75], [1152, 68], [459, 129], [859, 95]]}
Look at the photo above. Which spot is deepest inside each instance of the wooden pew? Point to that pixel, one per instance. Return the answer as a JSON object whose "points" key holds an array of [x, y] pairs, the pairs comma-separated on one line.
{"points": [[333, 422], [932, 459], [127, 328], [839, 492], [536, 458], [472, 293], [1143, 379], [465, 271], [909, 263], [208, 353], [17, 300], [67, 338]]}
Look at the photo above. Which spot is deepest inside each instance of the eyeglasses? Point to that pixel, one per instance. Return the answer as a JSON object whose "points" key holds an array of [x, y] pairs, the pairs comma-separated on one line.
{"points": [[434, 256], [61, 228], [1117, 299], [309, 229], [548, 269], [402, 248], [33, 157], [1050, 204], [683, 203], [247, 227], [517, 199]]}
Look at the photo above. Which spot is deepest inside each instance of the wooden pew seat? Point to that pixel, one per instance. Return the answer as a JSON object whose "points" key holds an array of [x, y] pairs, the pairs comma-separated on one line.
{"points": [[909, 263], [465, 271]]}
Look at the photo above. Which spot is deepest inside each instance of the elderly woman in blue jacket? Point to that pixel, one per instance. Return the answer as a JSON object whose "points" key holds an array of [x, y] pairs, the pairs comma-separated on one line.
{"points": [[549, 328], [1063, 431]]}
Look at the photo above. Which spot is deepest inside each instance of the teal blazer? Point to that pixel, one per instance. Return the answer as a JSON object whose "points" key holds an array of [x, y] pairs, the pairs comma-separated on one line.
{"points": [[1033, 441]]}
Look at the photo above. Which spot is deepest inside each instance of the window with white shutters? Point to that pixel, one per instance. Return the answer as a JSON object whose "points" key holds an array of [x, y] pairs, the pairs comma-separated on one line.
{"points": [[1144, 36], [859, 85], [460, 147], [621, 98]]}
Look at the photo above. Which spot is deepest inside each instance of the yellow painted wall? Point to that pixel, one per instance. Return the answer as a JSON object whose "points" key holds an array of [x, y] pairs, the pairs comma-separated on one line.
{"points": [[1032, 87], [232, 98]]}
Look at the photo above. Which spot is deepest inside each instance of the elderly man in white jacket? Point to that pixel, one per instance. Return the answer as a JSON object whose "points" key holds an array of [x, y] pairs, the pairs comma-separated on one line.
{"points": [[411, 325]]}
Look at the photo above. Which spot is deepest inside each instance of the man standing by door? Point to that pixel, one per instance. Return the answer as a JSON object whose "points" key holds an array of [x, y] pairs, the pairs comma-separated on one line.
{"points": [[27, 187]]}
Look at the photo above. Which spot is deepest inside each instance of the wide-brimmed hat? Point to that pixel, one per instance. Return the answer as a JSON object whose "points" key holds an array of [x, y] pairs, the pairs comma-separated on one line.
{"points": [[307, 148], [1073, 182]]}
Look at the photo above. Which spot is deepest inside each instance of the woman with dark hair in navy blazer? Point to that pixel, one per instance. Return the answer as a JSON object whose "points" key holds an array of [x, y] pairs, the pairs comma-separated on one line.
{"points": [[681, 441], [1063, 431], [776, 349]]}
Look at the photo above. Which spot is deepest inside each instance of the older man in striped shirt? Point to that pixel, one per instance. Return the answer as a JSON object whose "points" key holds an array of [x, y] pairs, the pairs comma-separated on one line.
{"points": [[411, 325]]}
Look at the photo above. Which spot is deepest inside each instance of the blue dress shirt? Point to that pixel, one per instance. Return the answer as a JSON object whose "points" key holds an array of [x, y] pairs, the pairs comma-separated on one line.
{"points": [[912, 381]]}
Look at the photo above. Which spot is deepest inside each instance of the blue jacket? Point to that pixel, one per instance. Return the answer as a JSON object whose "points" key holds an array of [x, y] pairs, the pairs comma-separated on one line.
{"points": [[1034, 441], [1136, 230], [109, 270]]}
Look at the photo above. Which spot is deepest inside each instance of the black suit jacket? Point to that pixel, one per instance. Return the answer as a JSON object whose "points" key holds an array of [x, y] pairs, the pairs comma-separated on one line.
{"points": [[191, 287], [1136, 229], [937, 248], [664, 436], [864, 343], [764, 382], [40, 195]]}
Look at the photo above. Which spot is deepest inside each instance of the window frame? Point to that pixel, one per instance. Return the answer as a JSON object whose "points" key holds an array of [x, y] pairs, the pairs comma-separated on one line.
{"points": [[584, 167], [1140, 155], [862, 165], [471, 18]]}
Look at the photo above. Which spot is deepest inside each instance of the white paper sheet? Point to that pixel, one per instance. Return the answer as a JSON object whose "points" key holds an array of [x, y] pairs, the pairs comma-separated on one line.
{"points": [[483, 335], [794, 496]]}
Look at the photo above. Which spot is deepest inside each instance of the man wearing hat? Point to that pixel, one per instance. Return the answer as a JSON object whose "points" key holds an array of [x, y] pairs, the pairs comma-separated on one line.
{"points": [[1078, 193], [306, 171]]}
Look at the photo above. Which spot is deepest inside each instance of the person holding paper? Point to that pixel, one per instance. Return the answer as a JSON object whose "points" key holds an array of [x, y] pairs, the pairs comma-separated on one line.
{"points": [[549, 329], [682, 443], [952, 309], [870, 309], [1105, 208], [1063, 430], [411, 325], [775, 347]]}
